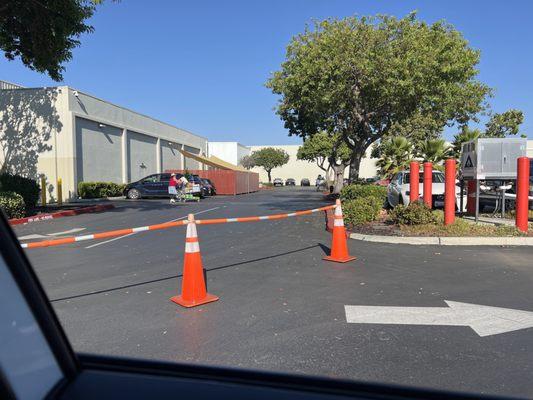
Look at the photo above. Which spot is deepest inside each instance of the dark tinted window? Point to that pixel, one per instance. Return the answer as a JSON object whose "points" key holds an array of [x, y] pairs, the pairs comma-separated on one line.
{"points": [[438, 177], [151, 179]]}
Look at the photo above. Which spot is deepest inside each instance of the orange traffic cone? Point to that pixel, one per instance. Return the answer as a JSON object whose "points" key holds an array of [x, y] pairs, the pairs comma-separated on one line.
{"points": [[193, 290], [339, 247]]}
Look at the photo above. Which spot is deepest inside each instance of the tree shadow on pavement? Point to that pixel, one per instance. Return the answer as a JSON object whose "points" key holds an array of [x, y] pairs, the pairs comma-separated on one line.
{"points": [[180, 275]]}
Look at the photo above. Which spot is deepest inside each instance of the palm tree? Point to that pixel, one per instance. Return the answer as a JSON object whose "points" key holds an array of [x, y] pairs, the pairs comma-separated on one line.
{"points": [[434, 151], [466, 135], [395, 155]]}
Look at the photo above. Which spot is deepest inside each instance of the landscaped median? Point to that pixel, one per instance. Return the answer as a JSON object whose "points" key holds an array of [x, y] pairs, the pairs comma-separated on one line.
{"points": [[367, 218]]}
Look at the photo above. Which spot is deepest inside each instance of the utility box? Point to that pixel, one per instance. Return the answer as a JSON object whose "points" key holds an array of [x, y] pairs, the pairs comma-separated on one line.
{"points": [[491, 158]]}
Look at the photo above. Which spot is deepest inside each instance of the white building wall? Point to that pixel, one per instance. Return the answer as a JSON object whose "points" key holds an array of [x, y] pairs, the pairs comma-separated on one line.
{"points": [[48, 117], [36, 134], [298, 169], [231, 152], [241, 152]]}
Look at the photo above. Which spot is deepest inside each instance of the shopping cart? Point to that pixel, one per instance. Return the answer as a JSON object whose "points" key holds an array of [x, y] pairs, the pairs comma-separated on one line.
{"points": [[187, 193]]}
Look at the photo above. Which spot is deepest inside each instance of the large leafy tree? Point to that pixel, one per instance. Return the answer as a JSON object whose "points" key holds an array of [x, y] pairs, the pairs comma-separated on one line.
{"points": [[43, 33], [329, 152], [504, 124], [247, 162], [394, 155], [363, 78], [269, 158]]}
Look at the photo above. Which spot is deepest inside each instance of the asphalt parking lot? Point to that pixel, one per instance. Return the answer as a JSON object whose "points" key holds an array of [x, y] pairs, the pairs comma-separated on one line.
{"points": [[281, 307]]}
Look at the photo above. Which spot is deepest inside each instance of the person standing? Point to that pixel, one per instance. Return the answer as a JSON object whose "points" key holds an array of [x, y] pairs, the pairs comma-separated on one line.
{"points": [[172, 183], [181, 186]]}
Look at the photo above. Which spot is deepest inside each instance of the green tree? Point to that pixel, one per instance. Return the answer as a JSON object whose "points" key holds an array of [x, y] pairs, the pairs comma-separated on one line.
{"points": [[43, 33], [394, 156], [247, 162], [504, 124], [269, 158], [434, 151], [329, 152], [365, 77]]}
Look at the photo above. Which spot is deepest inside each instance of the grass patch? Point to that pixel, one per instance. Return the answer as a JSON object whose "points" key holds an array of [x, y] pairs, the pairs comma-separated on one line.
{"points": [[459, 228]]}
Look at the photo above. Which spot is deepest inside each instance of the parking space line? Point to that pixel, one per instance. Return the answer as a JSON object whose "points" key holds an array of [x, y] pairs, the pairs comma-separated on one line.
{"points": [[133, 233]]}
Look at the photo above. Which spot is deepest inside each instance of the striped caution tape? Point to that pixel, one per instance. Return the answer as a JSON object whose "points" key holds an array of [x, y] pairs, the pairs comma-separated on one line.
{"points": [[167, 225]]}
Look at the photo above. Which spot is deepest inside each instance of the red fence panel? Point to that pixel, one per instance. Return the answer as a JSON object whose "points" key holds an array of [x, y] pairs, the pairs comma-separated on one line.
{"points": [[228, 182]]}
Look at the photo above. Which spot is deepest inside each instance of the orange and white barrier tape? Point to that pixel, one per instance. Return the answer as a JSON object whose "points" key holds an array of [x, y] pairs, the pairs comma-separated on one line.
{"points": [[166, 225]]}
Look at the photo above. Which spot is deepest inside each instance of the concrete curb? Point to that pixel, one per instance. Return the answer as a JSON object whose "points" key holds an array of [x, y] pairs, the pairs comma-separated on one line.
{"points": [[446, 240], [59, 214], [97, 200]]}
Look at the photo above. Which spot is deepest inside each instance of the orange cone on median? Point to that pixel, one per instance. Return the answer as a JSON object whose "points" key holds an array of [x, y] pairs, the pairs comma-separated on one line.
{"points": [[339, 246], [193, 288]]}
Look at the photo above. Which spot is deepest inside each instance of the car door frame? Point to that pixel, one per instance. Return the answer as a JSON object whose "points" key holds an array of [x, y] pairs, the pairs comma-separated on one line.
{"points": [[149, 189]]}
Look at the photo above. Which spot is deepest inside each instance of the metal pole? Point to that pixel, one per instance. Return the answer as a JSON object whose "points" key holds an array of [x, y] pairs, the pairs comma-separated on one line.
{"points": [[503, 203], [428, 181], [449, 192], [43, 191], [414, 177], [522, 192], [477, 200], [461, 201]]}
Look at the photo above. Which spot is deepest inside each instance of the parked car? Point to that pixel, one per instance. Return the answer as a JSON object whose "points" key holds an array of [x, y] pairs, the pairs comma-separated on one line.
{"points": [[155, 185], [305, 182], [290, 182], [398, 189], [197, 183], [209, 185], [278, 182]]}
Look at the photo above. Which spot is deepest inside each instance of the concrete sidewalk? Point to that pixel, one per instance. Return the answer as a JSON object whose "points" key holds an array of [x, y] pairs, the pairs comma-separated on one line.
{"points": [[447, 240]]}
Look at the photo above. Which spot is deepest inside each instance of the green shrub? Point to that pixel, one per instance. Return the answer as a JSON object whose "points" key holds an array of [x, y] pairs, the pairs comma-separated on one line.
{"points": [[12, 204], [26, 187], [352, 192], [94, 190], [416, 213], [361, 210]]}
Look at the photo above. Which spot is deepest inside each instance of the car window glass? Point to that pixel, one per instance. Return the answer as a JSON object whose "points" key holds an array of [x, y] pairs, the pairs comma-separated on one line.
{"points": [[25, 355], [151, 179], [438, 177]]}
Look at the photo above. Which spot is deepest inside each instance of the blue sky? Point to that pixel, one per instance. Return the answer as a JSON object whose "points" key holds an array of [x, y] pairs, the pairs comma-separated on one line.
{"points": [[202, 65]]}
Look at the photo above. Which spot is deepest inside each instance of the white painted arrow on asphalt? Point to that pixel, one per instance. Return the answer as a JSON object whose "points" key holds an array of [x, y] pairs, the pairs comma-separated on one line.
{"points": [[484, 320], [39, 236]]}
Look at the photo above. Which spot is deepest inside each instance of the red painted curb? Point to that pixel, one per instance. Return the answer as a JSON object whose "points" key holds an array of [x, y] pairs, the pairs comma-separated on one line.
{"points": [[59, 214]]}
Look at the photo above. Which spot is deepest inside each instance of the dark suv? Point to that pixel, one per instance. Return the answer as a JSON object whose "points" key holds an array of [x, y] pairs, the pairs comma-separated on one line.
{"points": [[155, 185]]}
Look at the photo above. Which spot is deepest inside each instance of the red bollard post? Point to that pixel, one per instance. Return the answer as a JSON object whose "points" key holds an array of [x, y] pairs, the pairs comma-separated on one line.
{"points": [[428, 179], [449, 191], [414, 176], [522, 193]]}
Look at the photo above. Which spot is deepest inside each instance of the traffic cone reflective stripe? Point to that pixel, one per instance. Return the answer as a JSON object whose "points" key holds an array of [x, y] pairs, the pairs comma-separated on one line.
{"points": [[193, 288], [339, 245]]}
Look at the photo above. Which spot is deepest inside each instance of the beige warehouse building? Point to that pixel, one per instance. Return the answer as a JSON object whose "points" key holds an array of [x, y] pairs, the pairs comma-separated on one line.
{"points": [[233, 152], [61, 132]]}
